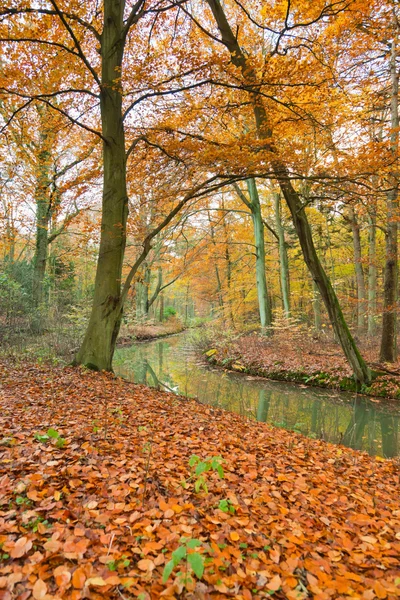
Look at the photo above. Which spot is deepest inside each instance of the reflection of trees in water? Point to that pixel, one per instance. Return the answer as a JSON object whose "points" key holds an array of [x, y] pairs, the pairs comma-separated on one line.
{"points": [[390, 435], [264, 399], [141, 374], [353, 436], [316, 413]]}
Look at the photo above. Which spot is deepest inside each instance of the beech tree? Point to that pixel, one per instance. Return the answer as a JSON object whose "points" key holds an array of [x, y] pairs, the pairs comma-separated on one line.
{"points": [[94, 48], [243, 62]]}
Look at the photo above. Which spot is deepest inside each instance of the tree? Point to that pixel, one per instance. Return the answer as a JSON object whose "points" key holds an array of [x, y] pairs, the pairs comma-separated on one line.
{"points": [[242, 61], [253, 204]]}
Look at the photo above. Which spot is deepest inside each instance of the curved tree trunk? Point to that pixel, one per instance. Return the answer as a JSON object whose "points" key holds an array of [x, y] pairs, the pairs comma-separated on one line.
{"points": [[253, 204]]}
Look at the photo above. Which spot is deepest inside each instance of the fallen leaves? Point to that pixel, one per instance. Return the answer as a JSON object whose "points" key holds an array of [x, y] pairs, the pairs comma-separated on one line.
{"points": [[39, 589], [21, 547], [307, 519]]}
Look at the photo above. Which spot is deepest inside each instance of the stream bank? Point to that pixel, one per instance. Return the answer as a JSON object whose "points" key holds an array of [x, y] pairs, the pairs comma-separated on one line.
{"points": [[150, 331], [173, 364], [303, 361]]}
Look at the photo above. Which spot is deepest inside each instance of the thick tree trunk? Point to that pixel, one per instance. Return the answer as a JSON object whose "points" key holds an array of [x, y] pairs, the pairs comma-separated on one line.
{"points": [[293, 200], [360, 280], [98, 345], [388, 352], [371, 273], [283, 256], [261, 278]]}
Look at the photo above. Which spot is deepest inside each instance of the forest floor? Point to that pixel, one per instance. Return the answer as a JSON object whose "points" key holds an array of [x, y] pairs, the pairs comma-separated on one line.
{"points": [[300, 358], [100, 497], [149, 331]]}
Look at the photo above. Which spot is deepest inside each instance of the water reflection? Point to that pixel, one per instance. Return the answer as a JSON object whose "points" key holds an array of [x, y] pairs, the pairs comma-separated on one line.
{"points": [[172, 365]]}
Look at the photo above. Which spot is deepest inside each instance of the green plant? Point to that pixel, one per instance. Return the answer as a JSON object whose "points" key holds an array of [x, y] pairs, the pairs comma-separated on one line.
{"points": [[200, 467], [51, 434], [169, 311], [22, 500], [226, 506], [122, 562], [193, 559], [96, 426], [33, 525]]}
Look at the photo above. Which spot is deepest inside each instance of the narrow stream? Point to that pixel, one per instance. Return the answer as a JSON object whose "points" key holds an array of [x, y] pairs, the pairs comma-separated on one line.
{"points": [[357, 422]]}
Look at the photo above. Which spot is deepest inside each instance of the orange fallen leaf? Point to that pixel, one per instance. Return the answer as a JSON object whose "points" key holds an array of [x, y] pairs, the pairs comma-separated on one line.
{"points": [[380, 590], [146, 564], [78, 578], [39, 590], [274, 584], [22, 547], [62, 575], [95, 581]]}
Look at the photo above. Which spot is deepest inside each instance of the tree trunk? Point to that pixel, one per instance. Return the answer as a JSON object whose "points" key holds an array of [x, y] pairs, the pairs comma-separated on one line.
{"points": [[388, 352], [360, 280], [161, 307], [283, 256], [43, 214], [261, 278], [157, 290], [228, 267], [98, 345], [293, 200], [317, 307], [372, 272], [41, 245]]}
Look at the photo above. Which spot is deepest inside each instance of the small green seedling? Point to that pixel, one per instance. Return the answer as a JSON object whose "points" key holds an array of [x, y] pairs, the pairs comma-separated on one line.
{"points": [[35, 522], [200, 467], [51, 434], [226, 506], [193, 559], [20, 500], [122, 562]]}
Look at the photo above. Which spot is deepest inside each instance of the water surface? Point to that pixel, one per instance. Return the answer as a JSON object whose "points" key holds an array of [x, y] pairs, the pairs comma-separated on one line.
{"points": [[172, 364]]}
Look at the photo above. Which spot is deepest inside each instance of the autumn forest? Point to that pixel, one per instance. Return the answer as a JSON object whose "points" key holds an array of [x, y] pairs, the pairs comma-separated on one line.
{"points": [[225, 172]]}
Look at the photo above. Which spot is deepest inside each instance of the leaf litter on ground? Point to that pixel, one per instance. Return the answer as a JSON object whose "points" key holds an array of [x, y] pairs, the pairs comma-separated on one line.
{"points": [[102, 514]]}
